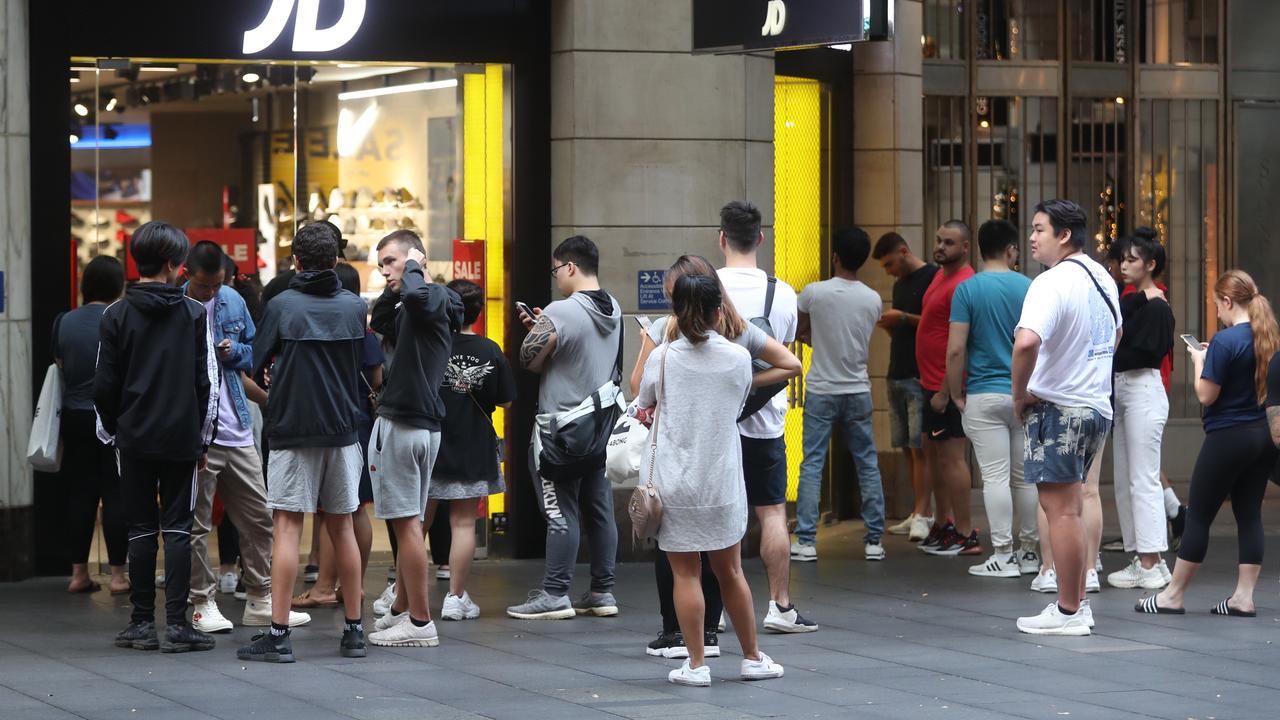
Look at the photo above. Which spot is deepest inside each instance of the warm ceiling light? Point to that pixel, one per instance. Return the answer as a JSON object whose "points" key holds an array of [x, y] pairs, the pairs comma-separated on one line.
{"points": [[984, 124], [397, 89], [75, 76], [81, 109], [159, 68], [111, 104], [251, 77], [1119, 100], [75, 136]]}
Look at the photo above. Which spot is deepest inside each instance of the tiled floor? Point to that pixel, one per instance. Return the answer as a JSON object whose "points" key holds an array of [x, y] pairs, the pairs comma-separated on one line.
{"points": [[910, 637]]}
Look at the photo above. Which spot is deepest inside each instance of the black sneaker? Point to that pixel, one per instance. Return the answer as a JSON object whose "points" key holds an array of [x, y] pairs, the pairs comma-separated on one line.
{"points": [[310, 573], [710, 645], [1177, 524], [352, 645], [267, 648], [937, 534], [664, 641], [241, 593], [184, 638], [139, 636]]}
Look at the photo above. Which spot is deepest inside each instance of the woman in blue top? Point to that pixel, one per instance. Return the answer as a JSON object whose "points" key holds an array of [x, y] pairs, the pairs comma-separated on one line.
{"points": [[1237, 455]]}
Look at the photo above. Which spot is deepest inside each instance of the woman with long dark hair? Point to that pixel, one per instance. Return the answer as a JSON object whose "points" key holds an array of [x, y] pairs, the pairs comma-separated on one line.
{"points": [[1238, 455], [698, 383]]}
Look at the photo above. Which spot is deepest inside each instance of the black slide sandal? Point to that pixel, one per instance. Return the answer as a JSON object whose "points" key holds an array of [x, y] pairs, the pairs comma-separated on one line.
{"points": [[1223, 608], [1148, 605]]}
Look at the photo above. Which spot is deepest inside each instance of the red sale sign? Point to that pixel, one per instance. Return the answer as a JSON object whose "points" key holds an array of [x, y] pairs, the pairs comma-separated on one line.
{"points": [[468, 264], [239, 243]]}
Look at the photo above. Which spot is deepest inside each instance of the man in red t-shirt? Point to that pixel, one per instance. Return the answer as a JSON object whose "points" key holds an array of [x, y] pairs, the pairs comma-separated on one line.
{"points": [[943, 436]]}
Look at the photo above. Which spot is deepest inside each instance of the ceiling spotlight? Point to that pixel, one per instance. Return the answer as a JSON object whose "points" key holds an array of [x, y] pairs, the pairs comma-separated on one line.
{"points": [[81, 109], [1119, 100], [252, 75], [75, 134], [984, 124], [75, 76], [109, 101]]}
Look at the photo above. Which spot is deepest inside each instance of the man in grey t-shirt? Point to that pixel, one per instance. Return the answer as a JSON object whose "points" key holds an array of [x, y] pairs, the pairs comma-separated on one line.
{"points": [[573, 344], [837, 317]]}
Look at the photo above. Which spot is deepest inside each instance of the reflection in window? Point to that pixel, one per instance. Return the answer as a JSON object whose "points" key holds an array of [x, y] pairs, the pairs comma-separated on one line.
{"points": [[1177, 195], [1101, 29], [945, 134], [1016, 29], [944, 32], [1017, 153], [1097, 175], [1180, 31]]}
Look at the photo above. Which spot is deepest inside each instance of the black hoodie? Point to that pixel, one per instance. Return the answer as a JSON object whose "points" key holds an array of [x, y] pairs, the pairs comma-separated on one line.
{"points": [[419, 321], [315, 333], [156, 384]]}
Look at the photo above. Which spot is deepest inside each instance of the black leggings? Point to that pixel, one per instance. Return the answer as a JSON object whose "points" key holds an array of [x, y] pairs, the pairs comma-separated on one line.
{"points": [[89, 474], [440, 532], [1234, 463], [228, 542], [667, 591]]}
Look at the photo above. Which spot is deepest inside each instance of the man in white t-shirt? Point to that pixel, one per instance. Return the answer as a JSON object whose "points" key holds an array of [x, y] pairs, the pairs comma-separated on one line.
{"points": [[837, 317], [764, 450], [1062, 354]]}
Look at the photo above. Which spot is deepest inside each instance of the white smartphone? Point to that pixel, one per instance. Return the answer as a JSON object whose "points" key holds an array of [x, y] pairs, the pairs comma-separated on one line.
{"points": [[1191, 341], [643, 321], [522, 307]]}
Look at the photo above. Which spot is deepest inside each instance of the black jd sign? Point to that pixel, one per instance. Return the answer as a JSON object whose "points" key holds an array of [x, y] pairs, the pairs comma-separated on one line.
{"points": [[726, 26]]}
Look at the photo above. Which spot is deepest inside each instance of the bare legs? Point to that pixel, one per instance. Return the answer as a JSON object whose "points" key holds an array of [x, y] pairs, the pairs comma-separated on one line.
{"points": [[1062, 505], [952, 480], [690, 604], [920, 485], [462, 547], [284, 563], [932, 468], [411, 569], [775, 552]]}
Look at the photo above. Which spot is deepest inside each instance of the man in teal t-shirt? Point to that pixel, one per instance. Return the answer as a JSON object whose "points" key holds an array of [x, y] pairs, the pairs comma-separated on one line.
{"points": [[984, 314]]}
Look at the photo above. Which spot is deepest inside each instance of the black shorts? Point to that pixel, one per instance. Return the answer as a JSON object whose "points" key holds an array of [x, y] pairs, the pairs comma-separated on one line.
{"points": [[764, 467], [944, 425]]}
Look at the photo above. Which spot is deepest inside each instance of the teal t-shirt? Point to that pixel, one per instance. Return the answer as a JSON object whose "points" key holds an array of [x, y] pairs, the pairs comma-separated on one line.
{"points": [[991, 303]]}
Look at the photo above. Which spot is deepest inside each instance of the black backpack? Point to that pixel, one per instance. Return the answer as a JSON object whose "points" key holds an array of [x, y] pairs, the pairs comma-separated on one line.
{"points": [[761, 396]]}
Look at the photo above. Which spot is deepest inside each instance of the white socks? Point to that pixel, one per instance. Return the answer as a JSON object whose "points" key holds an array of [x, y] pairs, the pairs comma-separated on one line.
{"points": [[1171, 503]]}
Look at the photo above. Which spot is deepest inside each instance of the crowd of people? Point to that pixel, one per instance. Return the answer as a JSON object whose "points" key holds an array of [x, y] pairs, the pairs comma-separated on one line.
{"points": [[196, 400]]}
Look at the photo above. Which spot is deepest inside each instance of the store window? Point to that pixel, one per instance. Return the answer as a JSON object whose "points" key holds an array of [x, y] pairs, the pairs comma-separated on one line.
{"points": [[1003, 29], [1100, 29], [945, 134], [1097, 177], [944, 33], [1180, 32]]}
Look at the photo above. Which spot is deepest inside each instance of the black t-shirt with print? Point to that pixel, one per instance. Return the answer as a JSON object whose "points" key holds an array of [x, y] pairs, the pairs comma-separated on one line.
{"points": [[477, 378]]}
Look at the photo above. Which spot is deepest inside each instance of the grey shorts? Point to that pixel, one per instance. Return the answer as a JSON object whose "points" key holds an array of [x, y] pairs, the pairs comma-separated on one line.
{"points": [[906, 412], [1062, 442], [309, 478], [400, 460]]}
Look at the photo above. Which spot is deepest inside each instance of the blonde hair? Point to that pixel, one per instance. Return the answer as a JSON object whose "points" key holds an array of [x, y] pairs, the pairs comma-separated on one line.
{"points": [[731, 323], [1238, 287]]}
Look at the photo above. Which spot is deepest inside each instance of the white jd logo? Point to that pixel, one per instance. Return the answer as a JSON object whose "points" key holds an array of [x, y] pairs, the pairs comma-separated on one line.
{"points": [[776, 20], [307, 36]]}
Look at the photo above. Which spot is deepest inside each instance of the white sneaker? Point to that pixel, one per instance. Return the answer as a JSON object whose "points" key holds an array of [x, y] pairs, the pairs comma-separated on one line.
{"points": [[763, 669], [919, 528], [1097, 564], [1091, 583], [803, 553], [903, 527], [695, 677], [406, 634], [1045, 582], [257, 613], [998, 566], [723, 624], [207, 618], [1136, 576], [1087, 611], [787, 622], [1164, 572], [160, 580], [382, 605], [227, 583], [1029, 562], [390, 620], [443, 573], [874, 553], [459, 608], [1052, 622]]}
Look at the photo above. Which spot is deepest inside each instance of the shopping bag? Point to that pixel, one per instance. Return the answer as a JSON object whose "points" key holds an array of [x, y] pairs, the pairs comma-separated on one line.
{"points": [[44, 449], [626, 443]]}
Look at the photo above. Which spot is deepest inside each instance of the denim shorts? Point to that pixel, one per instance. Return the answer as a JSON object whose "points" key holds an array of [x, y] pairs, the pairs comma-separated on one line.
{"points": [[1062, 442], [906, 412]]}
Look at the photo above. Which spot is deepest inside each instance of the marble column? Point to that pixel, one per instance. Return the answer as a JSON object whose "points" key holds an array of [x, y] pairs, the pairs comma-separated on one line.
{"points": [[16, 512]]}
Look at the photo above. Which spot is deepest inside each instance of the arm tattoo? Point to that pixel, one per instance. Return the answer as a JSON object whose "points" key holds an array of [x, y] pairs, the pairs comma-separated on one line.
{"points": [[536, 341], [1273, 417]]}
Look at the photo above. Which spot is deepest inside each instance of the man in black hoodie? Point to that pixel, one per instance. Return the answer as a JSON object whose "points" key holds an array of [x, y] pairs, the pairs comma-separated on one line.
{"points": [[155, 393], [419, 318], [314, 333]]}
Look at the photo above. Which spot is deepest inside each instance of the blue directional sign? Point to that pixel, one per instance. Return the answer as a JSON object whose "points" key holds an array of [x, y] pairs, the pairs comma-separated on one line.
{"points": [[650, 295]]}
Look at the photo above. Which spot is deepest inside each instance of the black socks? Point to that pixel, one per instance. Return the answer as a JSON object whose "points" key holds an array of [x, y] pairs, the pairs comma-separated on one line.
{"points": [[418, 623], [350, 624], [1064, 612]]}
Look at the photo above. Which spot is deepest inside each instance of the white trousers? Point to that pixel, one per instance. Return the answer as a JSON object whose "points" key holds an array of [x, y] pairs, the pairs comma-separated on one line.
{"points": [[997, 439], [1142, 408]]}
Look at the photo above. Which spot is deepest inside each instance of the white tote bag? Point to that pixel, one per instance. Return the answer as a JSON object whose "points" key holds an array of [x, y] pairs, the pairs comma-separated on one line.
{"points": [[626, 444], [44, 449]]}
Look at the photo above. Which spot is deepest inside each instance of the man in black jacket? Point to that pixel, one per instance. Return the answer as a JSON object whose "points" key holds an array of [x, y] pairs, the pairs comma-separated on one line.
{"points": [[155, 393], [313, 333], [419, 318]]}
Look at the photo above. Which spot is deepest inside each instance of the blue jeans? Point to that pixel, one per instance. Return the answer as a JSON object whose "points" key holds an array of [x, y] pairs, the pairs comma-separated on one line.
{"points": [[853, 413]]}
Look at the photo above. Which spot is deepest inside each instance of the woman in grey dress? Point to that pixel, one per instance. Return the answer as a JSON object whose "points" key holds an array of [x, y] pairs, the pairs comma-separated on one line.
{"points": [[698, 384]]}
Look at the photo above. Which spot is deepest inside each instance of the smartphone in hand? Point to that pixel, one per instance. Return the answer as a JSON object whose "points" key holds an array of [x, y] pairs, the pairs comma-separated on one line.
{"points": [[1191, 341], [524, 308], [643, 321]]}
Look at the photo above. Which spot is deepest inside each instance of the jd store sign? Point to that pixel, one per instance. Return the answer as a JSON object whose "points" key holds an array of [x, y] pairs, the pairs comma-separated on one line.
{"points": [[308, 36], [725, 26]]}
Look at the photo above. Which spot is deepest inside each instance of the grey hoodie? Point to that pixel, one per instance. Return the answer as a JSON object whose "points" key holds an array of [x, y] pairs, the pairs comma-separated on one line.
{"points": [[588, 327]]}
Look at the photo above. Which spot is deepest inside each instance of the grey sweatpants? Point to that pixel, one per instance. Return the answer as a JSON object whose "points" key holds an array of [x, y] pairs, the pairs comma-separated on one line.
{"points": [[572, 507]]}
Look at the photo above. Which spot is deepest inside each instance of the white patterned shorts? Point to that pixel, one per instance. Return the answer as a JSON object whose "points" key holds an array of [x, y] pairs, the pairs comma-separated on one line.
{"points": [[1061, 442]]}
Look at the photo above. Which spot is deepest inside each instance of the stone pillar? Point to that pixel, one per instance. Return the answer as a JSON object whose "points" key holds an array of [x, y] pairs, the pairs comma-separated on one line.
{"points": [[888, 189], [16, 512]]}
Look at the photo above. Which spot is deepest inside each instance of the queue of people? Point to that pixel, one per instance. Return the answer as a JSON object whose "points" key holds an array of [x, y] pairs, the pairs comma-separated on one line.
{"points": [[200, 397]]}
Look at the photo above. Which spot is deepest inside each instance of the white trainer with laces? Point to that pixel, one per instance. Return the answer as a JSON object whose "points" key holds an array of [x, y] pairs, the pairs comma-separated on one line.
{"points": [[723, 624], [803, 553], [390, 620], [207, 618], [1051, 621], [1164, 572], [227, 583], [406, 634], [1045, 582], [693, 677], [459, 608], [1029, 562], [763, 669], [998, 566], [1091, 583], [382, 605], [1087, 611], [920, 528], [788, 621], [903, 527], [1136, 576], [257, 613], [873, 552]]}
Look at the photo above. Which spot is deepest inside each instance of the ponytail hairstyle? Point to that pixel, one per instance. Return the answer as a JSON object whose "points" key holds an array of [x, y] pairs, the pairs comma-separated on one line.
{"points": [[731, 323], [1145, 245], [695, 299], [1238, 287]]}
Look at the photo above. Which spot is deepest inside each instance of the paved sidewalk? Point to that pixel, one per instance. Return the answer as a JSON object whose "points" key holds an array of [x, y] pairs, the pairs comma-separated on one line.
{"points": [[911, 637]]}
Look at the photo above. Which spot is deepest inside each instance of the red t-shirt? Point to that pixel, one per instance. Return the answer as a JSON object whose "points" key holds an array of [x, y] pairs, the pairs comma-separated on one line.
{"points": [[935, 327], [1166, 367]]}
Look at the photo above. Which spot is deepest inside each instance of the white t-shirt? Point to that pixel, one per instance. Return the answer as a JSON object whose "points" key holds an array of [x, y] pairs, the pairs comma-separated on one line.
{"points": [[230, 432], [842, 316], [747, 288], [1077, 334]]}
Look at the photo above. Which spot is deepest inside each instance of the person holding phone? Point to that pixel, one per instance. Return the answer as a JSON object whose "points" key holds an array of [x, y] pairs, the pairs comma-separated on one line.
{"points": [[1238, 454], [1141, 410]]}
